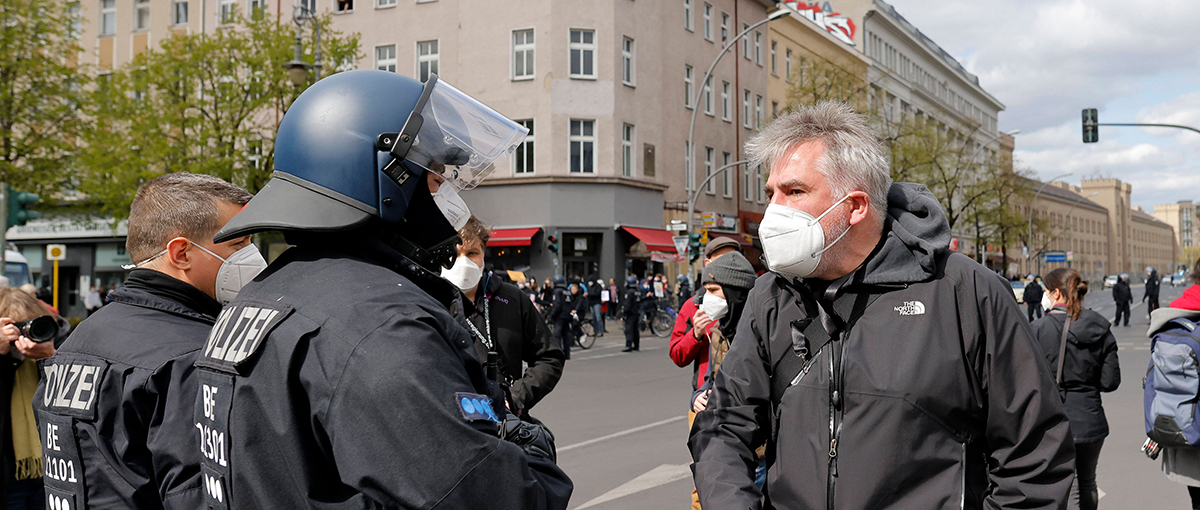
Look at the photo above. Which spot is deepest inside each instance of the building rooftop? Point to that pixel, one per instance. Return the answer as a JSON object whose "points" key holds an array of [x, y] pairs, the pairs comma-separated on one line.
{"points": [[1064, 194], [1138, 214]]}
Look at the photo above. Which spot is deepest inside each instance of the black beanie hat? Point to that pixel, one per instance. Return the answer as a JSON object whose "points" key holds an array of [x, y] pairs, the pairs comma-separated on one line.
{"points": [[731, 269]]}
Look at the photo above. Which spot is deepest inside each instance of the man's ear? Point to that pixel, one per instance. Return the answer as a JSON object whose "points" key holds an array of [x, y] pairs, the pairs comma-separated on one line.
{"points": [[860, 207], [178, 255]]}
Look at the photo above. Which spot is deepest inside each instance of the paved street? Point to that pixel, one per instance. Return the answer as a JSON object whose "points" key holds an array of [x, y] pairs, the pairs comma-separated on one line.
{"points": [[620, 421]]}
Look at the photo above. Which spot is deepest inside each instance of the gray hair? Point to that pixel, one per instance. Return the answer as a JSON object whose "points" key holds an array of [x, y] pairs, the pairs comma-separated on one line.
{"points": [[854, 159], [177, 205]]}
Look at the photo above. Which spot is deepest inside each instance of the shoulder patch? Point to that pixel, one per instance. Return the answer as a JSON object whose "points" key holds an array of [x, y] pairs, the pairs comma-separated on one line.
{"points": [[475, 407], [71, 386], [239, 332]]}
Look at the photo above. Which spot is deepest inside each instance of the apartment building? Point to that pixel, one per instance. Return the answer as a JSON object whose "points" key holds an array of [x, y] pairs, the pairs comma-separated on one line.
{"points": [[1185, 222]]}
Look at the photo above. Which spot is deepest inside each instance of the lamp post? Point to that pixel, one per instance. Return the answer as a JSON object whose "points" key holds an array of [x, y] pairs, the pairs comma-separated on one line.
{"points": [[1029, 240], [691, 159], [297, 68]]}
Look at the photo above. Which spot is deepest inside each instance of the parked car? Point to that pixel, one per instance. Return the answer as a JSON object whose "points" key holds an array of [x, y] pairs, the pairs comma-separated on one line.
{"points": [[1018, 288], [1110, 280], [1178, 279]]}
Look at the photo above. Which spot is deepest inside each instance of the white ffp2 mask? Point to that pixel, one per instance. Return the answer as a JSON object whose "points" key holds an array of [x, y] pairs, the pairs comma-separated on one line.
{"points": [[236, 271], [464, 274], [714, 306], [452, 206], [794, 240]]}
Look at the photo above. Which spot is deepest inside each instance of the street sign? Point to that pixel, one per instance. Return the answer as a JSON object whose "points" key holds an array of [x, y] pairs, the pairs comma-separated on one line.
{"points": [[1056, 256], [681, 244], [56, 252], [1070, 256], [677, 227]]}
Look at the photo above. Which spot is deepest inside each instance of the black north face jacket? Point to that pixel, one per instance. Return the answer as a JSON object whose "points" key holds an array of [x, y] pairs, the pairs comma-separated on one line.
{"points": [[936, 379]]}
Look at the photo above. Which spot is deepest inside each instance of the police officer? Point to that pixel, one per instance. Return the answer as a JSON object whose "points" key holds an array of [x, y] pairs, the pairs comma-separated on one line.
{"points": [[560, 314], [115, 403], [344, 376], [633, 298], [503, 320]]}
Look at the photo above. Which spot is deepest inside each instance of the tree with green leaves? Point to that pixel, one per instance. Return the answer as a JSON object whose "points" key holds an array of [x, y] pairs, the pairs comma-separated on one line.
{"points": [[40, 93], [205, 103]]}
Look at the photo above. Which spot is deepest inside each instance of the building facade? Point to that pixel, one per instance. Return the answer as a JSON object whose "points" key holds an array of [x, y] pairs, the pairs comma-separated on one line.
{"points": [[1184, 219]]}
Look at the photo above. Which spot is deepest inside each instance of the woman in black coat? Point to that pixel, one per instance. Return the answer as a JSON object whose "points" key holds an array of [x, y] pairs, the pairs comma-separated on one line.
{"points": [[1089, 367]]}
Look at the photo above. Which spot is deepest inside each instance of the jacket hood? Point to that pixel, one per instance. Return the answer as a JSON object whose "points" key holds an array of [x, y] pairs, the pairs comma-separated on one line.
{"points": [[1190, 300], [1185, 307], [915, 234]]}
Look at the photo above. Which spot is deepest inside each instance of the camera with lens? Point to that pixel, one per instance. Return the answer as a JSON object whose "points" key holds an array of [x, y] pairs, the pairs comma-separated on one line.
{"points": [[39, 329]]}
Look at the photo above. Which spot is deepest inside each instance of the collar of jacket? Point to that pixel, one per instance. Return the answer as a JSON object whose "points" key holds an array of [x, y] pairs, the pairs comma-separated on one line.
{"points": [[151, 289]]}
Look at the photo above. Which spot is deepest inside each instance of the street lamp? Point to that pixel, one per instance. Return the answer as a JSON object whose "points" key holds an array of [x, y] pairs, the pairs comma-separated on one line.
{"points": [[692, 194], [1029, 240], [297, 68]]}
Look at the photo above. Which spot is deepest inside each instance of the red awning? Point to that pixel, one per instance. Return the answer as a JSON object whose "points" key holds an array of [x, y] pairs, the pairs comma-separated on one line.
{"points": [[512, 236], [655, 239]]}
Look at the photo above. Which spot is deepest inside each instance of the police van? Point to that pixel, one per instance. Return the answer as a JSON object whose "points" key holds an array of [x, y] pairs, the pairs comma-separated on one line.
{"points": [[16, 268]]}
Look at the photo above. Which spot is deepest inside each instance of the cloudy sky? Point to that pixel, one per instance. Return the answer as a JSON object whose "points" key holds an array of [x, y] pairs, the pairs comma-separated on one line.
{"points": [[1048, 59]]}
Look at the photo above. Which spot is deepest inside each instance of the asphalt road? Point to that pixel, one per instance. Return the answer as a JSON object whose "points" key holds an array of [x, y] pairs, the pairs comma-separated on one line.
{"points": [[620, 420]]}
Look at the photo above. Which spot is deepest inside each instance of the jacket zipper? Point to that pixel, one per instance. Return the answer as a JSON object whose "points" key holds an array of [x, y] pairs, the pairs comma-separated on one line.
{"points": [[835, 408]]}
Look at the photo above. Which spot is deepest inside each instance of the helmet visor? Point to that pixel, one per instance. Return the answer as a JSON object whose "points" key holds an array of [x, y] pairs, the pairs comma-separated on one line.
{"points": [[462, 139]]}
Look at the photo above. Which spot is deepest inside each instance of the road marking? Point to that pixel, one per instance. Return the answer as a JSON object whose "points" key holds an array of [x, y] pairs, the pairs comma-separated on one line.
{"points": [[585, 358], [621, 433], [658, 476]]}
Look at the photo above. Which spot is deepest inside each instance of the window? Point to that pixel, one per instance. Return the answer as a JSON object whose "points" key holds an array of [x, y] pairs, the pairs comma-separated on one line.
{"points": [[727, 177], [774, 110], [583, 53], [427, 59], [724, 29], [690, 176], [709, 188], [687, 85], [687, 15], [746, 109], [745, 43], [787, 65], [225, 10], [254, 152], [344, 5], [523, 160], [385, 3], [628, 157], [758, 48], [708, 102], [708, 9], [522, 51], [258, 7], [108, 17], [385, 58], [758, 111], [759, 183], [628, 69], [725, 108], [648, 160], [774, 70], [583, 143], [141, 14], [747, 183], [75, 14]]}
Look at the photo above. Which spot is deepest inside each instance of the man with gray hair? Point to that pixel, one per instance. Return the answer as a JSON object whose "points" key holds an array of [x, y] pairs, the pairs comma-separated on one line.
{"points": [[115, 404], [882, 369]]}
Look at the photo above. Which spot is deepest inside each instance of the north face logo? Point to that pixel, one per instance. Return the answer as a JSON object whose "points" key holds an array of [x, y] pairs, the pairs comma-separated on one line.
{"points": [[911, 308]]}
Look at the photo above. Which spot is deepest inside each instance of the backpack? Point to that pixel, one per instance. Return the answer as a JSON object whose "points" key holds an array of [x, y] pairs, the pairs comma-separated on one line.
{"points": [[1172, 385]]}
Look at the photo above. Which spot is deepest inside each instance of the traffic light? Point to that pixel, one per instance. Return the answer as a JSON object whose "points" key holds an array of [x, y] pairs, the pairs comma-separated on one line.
{"points": [[693, 247], [18, 201], [1091, 125], [552, 244]]}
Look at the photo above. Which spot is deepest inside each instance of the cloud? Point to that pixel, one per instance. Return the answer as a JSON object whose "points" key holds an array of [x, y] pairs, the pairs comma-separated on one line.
{"points": [[1183, 110]]}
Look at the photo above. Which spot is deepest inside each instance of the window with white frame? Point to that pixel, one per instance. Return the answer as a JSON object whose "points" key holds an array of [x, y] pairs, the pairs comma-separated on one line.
{"points": [[523, 159], [583, 53], [759, 183], [108, 17], [708, 102], [385, 3], [708, 11], [787, 65], [758, 49], [746, 109], [225, 9], [727, 177], [343, 5], [711, 187], [583, 146], [258, 7], [75, 15], [687, 15], [747, 183], [522, 54], [689, 175], [725, 99], [745, 43], [724, 29], [427, 59], [254, 148], [628, 157], [628, 65], [141, 14], [385, 58], [758, 111], [688, 72], [774, 69]]}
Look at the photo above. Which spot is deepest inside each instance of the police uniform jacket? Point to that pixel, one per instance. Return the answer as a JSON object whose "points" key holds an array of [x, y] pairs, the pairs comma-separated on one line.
{"points": [[345, 378], [520, 336], [114, 405]]}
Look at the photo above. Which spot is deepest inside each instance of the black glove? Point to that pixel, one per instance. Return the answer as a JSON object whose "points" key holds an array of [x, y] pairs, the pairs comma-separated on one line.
{"points": [[534, 438]]}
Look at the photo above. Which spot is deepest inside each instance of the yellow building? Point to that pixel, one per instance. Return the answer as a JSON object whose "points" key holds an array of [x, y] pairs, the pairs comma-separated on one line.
{"points": [[798, 48]]}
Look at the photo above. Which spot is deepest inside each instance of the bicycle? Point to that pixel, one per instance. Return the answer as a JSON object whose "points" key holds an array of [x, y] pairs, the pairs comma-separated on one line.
{"points": [[586, 329]]}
